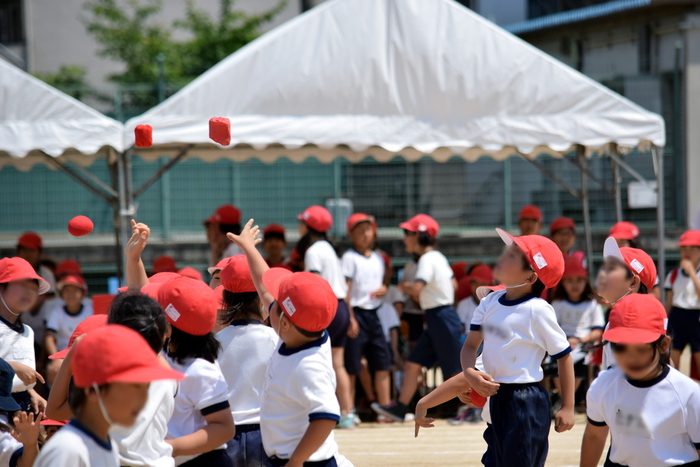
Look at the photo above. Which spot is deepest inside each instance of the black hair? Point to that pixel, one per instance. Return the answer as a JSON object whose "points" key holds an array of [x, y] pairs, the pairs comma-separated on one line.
{"points": [[425, 239], [471, 266], [244, 305], [559, 293], [273, 235], [642, 288], [142, 314], [537, 286], [303, 332], [184, 346], [232, 228], [309, 238], [657, 346], [77, 397]]}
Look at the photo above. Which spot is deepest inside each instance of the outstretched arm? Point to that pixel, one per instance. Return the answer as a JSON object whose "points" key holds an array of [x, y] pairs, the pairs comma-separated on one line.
{"points": [[448, 390], [136, 276], [246, 241]]}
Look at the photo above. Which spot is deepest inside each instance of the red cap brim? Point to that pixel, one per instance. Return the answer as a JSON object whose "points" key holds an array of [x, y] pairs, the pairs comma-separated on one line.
{"points": [[483, 291], [49, 422], [630, 336], [146, 374], [60, 354], [272, 279]]}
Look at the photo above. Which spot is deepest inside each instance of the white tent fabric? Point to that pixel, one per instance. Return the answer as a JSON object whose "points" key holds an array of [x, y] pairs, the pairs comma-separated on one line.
{"points": [[358, 77], [35, 118]]}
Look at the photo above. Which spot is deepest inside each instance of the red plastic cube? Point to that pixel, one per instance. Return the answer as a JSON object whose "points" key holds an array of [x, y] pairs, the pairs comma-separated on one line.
{"points": [[144, 136], [220, 130]]}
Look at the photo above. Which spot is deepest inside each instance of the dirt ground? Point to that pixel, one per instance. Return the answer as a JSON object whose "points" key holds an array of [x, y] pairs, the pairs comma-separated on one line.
{"points": [[373, 444]]}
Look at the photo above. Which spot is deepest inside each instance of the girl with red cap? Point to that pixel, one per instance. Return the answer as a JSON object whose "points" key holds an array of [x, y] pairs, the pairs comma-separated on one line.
{"points": [[20, 287], [626, 234], [434, 288], [683, 299], [562, 231], [320, 258], [651, 409]]}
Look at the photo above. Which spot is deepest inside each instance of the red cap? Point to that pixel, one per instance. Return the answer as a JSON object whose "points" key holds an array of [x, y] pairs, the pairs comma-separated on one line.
{"points": [[18, 269], [68, 266], [544, 256], [143, 136], [636, 319], [562, 223], [624, 231], [30, 240], [192, 273], [227, 214], [49, 422], [273, 229], [574, 268], [189, 305], [463, 290], [156, 281], [307, 299], [531, 212], [235, 277], [357, 218], [481, 273], [117, 354], [484, 290], [164, 264], [80, 225], [636, 260], [89, 324], [690, 238], [459, 270], [220, 130], [71, 280], [101, 303], [421, 223], [317, 218], [219, 266]]}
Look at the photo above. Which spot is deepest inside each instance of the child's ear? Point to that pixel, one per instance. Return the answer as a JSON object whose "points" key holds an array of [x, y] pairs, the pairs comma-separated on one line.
{"points": [[666, 344], [636, 282], [533, 278]]}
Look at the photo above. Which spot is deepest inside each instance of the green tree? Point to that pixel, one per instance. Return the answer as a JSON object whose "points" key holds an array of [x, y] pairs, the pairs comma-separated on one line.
{"points": [[71, 80]]}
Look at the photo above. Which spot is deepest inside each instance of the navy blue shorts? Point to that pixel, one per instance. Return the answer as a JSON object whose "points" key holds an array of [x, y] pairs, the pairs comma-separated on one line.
{"points": [[276, 461], [215, 458], [685, 328], [440, 342], [246, 448], [370, 342], [519, 429], [415, 325], [338, 329]]}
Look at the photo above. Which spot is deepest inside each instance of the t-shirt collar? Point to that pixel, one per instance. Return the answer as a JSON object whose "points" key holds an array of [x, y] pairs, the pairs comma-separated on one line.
{"points": [[283, 350], [650, 382], [504, 301]]}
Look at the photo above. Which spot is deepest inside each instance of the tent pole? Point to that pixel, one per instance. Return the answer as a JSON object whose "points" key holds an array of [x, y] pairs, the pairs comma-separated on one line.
{"points": [[154, 178], [125, 206], [554, 178], [581, 157], [616, 187], [116, 220], [77, 177], [658, 158]]}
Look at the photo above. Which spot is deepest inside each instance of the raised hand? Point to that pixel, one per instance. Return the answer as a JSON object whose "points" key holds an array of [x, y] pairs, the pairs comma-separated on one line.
{"points": [[248, 238]]}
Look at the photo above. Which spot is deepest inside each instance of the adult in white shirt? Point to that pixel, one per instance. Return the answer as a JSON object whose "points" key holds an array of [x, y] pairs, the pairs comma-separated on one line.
{"points": [[226, 218]]}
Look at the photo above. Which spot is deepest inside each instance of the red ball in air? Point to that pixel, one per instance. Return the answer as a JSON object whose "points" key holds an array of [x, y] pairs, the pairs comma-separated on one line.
{"points": [[144, 136], [220, 130], [80, 225]]}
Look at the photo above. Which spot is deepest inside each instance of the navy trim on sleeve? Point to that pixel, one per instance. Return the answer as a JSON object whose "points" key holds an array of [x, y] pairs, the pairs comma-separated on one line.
{"points": [[421, 280], [15, 457], [52, 330], [594, 328], [215, 408], [475, 327], [324, 416], [594, 423], [315, 272], [697, 445], [561, 354]]}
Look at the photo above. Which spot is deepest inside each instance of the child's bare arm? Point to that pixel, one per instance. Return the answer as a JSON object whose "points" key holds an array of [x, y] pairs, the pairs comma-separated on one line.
{"points": [[413, 289], [316, 434], [247, 240], [593, 444], [136, 276], [565, 417], [219, 430], [50, 342], [481, 382], [57, 407], [28, 434], [669, 301], [448, 390]]}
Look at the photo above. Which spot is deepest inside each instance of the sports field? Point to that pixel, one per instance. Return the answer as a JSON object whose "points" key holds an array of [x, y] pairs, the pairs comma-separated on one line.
{"points": [[373, 444]]}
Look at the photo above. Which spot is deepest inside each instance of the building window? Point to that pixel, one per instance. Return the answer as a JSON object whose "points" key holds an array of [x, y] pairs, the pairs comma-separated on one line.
{"points": [[11, 28], [537, 8]]}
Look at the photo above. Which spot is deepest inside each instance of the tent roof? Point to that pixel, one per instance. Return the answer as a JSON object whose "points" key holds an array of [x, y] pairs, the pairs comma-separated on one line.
{"points": [[35, 118], [380, 77]]}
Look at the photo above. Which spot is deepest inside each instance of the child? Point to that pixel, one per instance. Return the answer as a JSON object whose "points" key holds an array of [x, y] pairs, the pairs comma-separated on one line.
{"points": [[19, 431], [682, 291], [530, 220], [247, 346], [274, 243], [625, 271], [226, 218], [412, 316], [434, 287], [201, 423], [562, 231], [112, 367], [63, 320], [298, 402], [579, 315], [51, 427], [20, 287], [320, 258], [190, 272], [626, 234], [164, 264], [517, 329], [480, 276], [364, 272], [215, 273], [652, 410]]}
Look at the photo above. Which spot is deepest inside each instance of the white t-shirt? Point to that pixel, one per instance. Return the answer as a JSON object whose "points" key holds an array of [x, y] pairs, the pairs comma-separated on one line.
{"points": [[202, 392], [63, 323], [465, 311], [75, 446], [321, 259], [299, 387], [653, 423], [389, 319], [517, 334], [435, 271], [144, 443], [246, 353], [409, 275], [10, 448], [49, 277], [684, 293], [17, 345], [367, 275], [579, 319]]}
